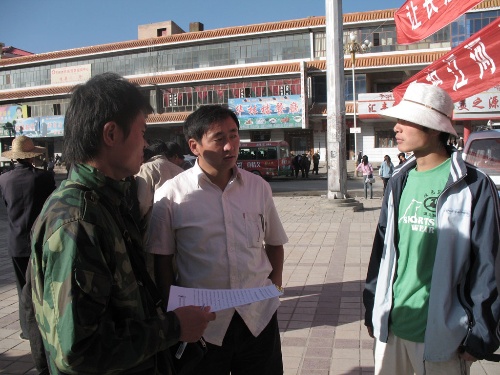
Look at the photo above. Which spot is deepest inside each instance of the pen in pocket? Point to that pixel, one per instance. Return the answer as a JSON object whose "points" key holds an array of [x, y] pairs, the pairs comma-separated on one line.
{"points": [[262, 221]]}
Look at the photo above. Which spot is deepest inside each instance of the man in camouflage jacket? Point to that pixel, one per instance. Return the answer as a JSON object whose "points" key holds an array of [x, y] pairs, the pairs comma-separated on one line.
{"points": [[93, 311]]}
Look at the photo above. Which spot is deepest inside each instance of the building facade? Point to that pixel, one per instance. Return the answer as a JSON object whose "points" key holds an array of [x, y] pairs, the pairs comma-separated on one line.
{"points": [[273, 75]]}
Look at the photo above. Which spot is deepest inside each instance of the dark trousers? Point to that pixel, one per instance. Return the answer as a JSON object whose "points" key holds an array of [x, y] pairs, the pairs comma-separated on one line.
{"points": [[385, 181], [242, 353], [315, 168], [20, 265], [36, 342]]}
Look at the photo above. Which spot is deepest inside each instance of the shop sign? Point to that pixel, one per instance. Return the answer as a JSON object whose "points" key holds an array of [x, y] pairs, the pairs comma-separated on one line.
{"points": [[268, 112]]}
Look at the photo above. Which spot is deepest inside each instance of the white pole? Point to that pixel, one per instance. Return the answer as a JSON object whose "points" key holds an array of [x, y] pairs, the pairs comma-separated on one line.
{"points": [[353, 59], [335, 138]]}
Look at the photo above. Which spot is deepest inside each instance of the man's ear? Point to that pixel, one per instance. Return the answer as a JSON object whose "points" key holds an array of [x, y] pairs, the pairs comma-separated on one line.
{"points": [[193, 146], [109, 133]]}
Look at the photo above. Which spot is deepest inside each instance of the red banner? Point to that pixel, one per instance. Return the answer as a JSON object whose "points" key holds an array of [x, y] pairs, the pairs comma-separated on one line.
{"points": [[466, 70], [417, 19]]}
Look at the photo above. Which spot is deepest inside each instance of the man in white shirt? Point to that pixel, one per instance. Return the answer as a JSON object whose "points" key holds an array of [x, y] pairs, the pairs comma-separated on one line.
{"points": [[215, 219]]}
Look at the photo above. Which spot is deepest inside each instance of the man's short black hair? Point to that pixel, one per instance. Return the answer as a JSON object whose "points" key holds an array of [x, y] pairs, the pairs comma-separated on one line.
{"points": [[173, 149], [198, 122], [104, 98], [155, 147]]}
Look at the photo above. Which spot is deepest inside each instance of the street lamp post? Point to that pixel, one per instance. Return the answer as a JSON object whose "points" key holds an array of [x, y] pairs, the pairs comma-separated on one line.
{"points": [[352, 48]]}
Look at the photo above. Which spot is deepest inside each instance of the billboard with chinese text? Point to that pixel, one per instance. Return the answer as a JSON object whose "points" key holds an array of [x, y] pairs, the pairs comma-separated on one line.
{"points": [[34, 127], [27, 127], [268, 112], [9, 113], [71, 74], [51, 126], [478, 106]]}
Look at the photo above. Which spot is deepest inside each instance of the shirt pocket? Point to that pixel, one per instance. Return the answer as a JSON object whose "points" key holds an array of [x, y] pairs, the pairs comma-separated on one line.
{"points": [[254, 227], [91, 296]]}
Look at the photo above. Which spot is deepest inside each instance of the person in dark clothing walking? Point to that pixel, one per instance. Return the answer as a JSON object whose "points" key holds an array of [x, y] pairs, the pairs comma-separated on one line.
{"points": [[24, 190], [297, 165], [316, 158]]}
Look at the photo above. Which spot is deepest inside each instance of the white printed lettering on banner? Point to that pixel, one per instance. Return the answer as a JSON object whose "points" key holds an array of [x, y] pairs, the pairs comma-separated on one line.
{"points": [[480, 56], [415, 24], [433, 78], [453, 69], [430, 7]]}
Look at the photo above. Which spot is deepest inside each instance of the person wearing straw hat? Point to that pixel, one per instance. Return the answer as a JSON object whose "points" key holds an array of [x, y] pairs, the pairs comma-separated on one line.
{"points": [[431, 299], [24, 190]]}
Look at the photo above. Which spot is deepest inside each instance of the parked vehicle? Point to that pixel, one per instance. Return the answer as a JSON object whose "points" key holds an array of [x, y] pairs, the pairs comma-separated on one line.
{"points": [[482, 149], [266, 159]]}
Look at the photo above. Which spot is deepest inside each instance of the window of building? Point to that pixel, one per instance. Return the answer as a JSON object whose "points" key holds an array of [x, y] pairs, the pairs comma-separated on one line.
{"points": [[360, 86], [319, 45], [319, 89], [161, 32], [468, 24], [56, 108], [385, 139]]}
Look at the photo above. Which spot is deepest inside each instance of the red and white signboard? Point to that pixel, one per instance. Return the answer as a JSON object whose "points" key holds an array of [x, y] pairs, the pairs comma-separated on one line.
{"points": [[418, 19], [369, 105], [484, 105], [71, 74], [466, 70]]}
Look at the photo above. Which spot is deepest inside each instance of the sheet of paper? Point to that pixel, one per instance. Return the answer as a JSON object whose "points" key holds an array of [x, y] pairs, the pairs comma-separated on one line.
{"points": [[218, 299]]}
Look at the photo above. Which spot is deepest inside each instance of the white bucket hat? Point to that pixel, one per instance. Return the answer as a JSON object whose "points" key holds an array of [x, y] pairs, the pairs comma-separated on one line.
{"points": [[23, 148], [425, 105]]}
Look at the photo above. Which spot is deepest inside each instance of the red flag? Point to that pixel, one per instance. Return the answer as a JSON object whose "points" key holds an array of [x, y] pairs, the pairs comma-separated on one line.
{"points": [[417, 19], [466, 70]]}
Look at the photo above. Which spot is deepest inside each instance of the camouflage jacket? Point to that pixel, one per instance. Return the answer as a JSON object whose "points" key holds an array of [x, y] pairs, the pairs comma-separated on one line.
{"points": [[94, 315]]}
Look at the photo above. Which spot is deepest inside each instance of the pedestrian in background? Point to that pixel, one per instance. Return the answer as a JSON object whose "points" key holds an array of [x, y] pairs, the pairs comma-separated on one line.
{"points": [[367, 170], [297, 165], [385, 171], [174, 155], [401, 157], [152, 175], [305, 164], [316, 158], [24, 190], [431, 299], [359, 160]]}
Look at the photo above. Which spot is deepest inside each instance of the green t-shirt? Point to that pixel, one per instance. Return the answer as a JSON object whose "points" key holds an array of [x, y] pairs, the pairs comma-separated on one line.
{"points": [[417, 241]]}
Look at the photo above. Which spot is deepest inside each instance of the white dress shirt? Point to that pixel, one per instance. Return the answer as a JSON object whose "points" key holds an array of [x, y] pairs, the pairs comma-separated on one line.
{"points": [[217, 238]]}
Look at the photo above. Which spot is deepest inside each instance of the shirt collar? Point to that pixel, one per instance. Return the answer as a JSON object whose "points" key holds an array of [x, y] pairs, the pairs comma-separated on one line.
{"points": [[91, 177], [198, 172]]}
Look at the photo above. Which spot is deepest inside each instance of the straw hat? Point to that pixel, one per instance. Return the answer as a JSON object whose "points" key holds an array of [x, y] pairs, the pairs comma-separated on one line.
{"points": [[425, 105], [23, 148]]}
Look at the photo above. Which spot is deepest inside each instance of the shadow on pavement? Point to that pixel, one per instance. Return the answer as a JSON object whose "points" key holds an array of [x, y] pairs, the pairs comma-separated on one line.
{"points": [[331, 304]]}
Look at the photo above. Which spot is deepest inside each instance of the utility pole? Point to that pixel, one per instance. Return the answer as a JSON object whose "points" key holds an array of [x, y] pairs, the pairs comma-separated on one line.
{"points": [[335, 138]]}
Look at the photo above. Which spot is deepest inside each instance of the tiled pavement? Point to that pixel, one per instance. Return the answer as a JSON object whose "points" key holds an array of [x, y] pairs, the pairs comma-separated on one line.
{"points": [[321, 312]]}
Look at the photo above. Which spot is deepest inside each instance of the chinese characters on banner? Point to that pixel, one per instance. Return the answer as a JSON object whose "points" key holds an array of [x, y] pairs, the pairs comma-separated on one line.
{"points": [[466, 70], [418, 19], [268, 112]]}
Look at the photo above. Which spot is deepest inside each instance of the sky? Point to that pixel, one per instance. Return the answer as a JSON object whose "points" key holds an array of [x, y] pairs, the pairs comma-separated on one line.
{"points": [[52, 25]]}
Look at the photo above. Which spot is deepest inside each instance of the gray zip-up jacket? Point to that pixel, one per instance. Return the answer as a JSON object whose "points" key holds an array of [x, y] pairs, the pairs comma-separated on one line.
{"points": [[464, 306]]}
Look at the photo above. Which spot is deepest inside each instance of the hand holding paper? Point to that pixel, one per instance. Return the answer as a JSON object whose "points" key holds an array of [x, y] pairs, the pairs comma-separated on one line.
{"points": [[193, 321], [219, 299]]}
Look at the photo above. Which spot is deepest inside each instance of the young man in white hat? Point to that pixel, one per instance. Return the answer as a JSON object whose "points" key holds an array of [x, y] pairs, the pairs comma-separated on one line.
{"points": [[430, 296], [24, 190]]}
